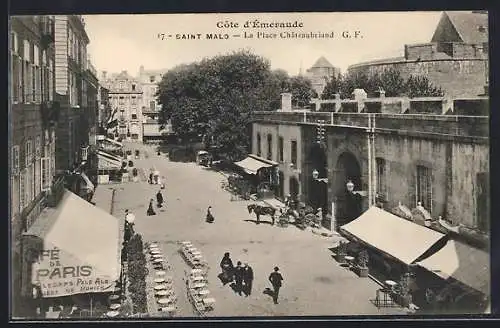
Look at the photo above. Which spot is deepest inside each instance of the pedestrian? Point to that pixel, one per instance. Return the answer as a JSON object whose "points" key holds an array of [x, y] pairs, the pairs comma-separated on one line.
{"points": [[162, 184], [226, 264], [151, 211], [238, 278], [150, 178], [159, 199], [209, 218], [247, 279], [276, 278]]}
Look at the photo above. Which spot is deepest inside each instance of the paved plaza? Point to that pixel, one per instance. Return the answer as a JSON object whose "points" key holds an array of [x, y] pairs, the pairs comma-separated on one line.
{"points": [[314, 283]]}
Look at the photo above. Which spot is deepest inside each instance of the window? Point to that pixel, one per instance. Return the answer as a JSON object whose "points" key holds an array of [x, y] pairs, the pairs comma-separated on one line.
{"points": [[133, 87], [134, 116], [280, 146], [152, 105], [45, 173], [424, 187], [259, 149], [120, 86], [51, 79], [134, 101], [293, 145], [15, 160], [381, 178], [27, 73], [22, 190], [269, 146], [36, 75], [16, 63], [28, 155], [38, 147]]}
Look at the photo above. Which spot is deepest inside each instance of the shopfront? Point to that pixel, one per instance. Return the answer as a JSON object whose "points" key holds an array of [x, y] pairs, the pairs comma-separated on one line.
{"points": [[70, 250], [261, 173]]}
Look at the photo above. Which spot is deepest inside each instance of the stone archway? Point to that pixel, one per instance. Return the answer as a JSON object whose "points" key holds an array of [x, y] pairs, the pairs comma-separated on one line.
{"points": [[347, 168], [317, 191]]}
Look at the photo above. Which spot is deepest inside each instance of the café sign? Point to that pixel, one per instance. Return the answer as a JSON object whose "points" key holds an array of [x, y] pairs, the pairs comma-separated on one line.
{"points": [[60, 274]]}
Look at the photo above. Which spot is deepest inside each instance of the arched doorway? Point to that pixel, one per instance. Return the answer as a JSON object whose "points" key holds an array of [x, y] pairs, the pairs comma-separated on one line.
{"points": [[347, 168], [348, 205], [318, 189]]}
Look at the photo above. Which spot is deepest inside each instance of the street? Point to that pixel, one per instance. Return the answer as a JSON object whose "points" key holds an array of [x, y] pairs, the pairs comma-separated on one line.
{"points": [[314, 283]]}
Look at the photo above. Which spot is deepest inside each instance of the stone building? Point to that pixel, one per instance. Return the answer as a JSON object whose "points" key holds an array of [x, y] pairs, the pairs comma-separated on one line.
{"points": [[126, 98], [76, 92], [152, 129], [320, 73], [32, 138], [437, 160], [455, 59]]}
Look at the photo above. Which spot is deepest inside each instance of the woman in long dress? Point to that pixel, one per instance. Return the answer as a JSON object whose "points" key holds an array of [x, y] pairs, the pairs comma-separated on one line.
{"points": [[151, 210]]}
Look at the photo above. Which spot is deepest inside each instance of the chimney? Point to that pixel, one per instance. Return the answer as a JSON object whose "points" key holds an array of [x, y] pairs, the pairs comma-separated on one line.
{"points": [[286, 102], [104, 73]]}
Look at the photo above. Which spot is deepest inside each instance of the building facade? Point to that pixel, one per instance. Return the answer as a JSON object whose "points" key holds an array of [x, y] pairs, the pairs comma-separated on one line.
{"points": [[456, 58], [32, 133], [320, 73], [438, 161], [126, 98], [75, 91]]}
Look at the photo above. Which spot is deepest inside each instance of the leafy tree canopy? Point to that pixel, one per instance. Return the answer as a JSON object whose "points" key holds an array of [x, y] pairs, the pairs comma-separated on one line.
{"points": [[212, 100], [389, 80]]}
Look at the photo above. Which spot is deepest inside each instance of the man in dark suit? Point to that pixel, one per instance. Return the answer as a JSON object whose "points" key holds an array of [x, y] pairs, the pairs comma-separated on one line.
{"points": [[247, 279], [238, 278], [276, 278]]}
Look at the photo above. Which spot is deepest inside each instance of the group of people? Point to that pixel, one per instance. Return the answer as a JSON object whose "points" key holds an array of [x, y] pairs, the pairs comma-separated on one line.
{"points": [[159, 203], [242, 276]]}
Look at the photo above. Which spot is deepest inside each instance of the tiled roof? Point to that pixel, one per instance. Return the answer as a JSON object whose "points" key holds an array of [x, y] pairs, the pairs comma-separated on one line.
{"points": [[471, 26], [322, 62]]}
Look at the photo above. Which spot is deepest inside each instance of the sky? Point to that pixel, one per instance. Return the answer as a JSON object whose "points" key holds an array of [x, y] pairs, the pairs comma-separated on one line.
{"points": [[125, 42]]}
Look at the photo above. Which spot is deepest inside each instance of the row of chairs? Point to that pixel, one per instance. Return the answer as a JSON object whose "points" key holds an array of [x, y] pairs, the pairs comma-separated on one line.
{"points": [[192, 255], [165, 296], [197, 283]]}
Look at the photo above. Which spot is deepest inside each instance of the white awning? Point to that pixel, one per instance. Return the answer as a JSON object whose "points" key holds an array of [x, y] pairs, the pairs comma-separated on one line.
{"points": [[397, 237], [461, 262], [79, 247], [251, 165], [89, 183]]}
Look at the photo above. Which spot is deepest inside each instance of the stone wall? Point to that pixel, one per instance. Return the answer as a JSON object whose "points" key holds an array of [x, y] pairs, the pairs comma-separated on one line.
{"points": [[457, 77]]}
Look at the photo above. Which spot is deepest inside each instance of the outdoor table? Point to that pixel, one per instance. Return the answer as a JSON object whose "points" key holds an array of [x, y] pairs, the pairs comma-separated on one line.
{"points": [[191, 249], [196, 253], [153, 245], [157, 260], [349, 260], [198, 278], [159, 280], [155, 251], [114, 297], [164, 301], [160, 287], [204, 292], [170, 309], [186, 242], [159, 255], [112, 314], [114, 306], [160, 273], [199, 285], [209, 302], [161, 293], [195, 271]]}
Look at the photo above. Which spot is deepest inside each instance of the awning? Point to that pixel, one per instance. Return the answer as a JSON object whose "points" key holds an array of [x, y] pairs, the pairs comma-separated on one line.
{"points": [[89, 183], [463, 263], [81, 248], [252, 165], [107, 161], [397, 237]]}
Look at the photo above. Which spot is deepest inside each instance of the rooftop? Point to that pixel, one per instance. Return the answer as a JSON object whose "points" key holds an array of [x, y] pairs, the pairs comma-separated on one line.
{"points": [[471, 26]]}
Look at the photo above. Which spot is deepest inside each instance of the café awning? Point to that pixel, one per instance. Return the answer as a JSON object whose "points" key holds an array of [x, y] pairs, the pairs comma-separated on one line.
{"points": [[252, 164], [402, 239], [464, 263], [78, 246]]}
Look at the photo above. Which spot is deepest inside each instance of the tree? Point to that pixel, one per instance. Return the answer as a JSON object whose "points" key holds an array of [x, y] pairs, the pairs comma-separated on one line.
{"points": [[302, 91], [214, 99], [420, 86], [333, 87]]}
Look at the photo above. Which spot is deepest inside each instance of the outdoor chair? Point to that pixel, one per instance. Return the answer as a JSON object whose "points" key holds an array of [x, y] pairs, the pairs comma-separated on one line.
{"points": [[209, 303]]}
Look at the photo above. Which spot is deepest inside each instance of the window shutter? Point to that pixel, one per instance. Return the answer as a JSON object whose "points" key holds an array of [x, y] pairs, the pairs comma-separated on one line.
{"points": [[15, 160], [38, 147]]}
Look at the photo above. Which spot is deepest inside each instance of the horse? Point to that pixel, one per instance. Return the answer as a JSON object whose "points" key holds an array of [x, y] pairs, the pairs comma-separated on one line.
{"points": [[262, 210]]}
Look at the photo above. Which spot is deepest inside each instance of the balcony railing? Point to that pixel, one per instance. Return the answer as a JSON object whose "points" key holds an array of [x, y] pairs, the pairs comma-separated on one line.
{"points": [[463, 126], [56, 192], [31, 213]]}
